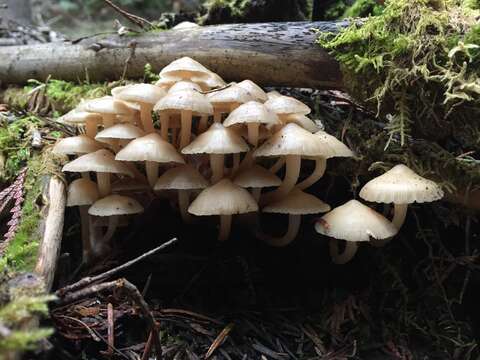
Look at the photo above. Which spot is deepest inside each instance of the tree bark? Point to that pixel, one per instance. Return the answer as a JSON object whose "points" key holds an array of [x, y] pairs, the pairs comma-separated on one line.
{"points": [[275, 54]]}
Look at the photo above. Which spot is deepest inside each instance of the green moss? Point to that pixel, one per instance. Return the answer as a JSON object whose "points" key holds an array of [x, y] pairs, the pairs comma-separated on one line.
{"points": [[362, 8]]}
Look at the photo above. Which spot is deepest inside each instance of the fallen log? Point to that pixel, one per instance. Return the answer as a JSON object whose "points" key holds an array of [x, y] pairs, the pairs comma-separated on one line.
{"points": [[276, 54]]}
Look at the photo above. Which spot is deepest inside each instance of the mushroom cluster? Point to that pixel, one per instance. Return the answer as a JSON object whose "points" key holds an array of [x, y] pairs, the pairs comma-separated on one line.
{"points": [[209, 141]]}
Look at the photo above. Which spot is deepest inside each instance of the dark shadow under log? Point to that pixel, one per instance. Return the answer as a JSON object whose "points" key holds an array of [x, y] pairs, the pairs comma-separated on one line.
{"points": [[276, 54]]}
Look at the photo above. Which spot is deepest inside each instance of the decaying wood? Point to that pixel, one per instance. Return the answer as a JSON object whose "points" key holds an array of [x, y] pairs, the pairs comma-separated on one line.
{"points": [[52, 230], [283, 54]]}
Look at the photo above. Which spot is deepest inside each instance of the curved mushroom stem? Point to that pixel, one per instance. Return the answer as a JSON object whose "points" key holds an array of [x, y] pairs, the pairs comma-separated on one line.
{"points": [[151, 167], [183, 203], [203, 124], [217, 116], [216, 164], [225, 225], [320, 166], [236, 164], [146, 117], [292, 172], [253, 129], [103, 181], [278, 165], [85, 230], [114, 144], [108, 120], [347, 254], [164, 120], [186, 128], [112, 226], [91, 128], [399, 215], [294, 222]]}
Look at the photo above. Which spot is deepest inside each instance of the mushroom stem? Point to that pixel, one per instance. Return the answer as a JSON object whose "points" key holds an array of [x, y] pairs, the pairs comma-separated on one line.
{"points": [[247, 161], [217, 116], [399, 215], [278, 165], [108, 120], [151, 168], [164, 120], [146, 117], [256, 192], [216, 163], [91, 128], [103, 180], [236, 163], [320, 166], [292, 172], [347, 254], [85, 175], [294, 222], [186, 128], [252, 129], [202, 126], [183, 203], [85, 227], [225, 225], [112, 226]]}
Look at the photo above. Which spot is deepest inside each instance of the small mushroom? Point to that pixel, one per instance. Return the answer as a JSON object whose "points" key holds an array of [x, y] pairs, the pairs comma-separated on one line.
{"points": [[353, 222], [256, 178], [185, 68], [83, 193], [224, 199], [255, 90], [217, 141], [119, 134], [76, 145], [183, 178], [295, 204], [184, 85], [227, 100], [78, 117], [108, 107], [153, 150]]}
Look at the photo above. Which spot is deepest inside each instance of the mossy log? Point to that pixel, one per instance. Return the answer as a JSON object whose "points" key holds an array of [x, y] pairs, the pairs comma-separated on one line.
{"points": [[283, 54]]}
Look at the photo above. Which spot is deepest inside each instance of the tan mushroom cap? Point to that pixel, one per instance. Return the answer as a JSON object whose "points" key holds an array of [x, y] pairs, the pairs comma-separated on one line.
{"points": [[229, 96], [223, 198], [150, 148], [339, 148], [120, 131], [76, 117], [217, 140], [211, 81], [82, 192], [184, 85], [293, 140], [255, 90], [189, 100], [256, 177], [165, 82], [184, 177], [185, 68], [284, 105], [113, 205], [184, 25], [106, 105], [273, 94], [75, 145], [251, 112], [303, 121], [141, 93], [297, 202], [401, 185], [355, 222], [100, 161]]}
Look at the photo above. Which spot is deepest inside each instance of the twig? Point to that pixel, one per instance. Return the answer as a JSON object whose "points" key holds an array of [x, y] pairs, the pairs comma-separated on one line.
{"points": [[148, 347], [110, 330], [220, 339], [108, 274], [137, 20]]}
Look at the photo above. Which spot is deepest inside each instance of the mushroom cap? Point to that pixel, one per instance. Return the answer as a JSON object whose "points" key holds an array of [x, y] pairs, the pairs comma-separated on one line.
{"points": [[223, 198], [303, 121], [76, 117], [184, 85], [112, 205], [401, 185], [120, 131], [184, 177], [82, 192], [98, 161], [256, 177], [211, 81], [283, 105], [75, 145], [273, 94], [185, 25], [297, 202], [228, 96], [185, 68], [255, 90], [106, 105], [293, 140], [165, 82], [141, 93], [251, 112], [354, 221], [217, 140], [185, 100], [150, 148], [339, 148]]}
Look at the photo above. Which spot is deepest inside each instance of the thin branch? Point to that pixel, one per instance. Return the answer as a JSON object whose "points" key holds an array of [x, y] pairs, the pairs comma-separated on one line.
{"points": [[137, 20]]}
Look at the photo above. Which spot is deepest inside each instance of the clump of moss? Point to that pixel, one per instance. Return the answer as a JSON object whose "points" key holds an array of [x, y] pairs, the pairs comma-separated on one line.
{"points": [[418, 66]]}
